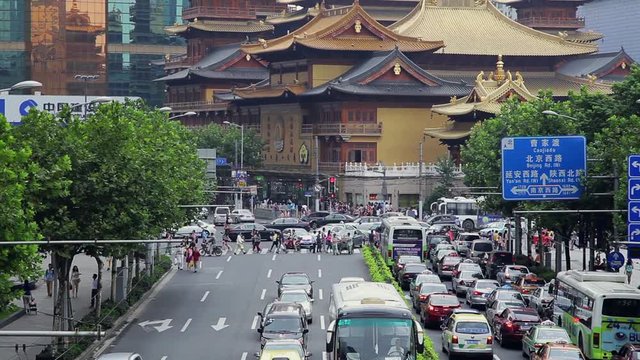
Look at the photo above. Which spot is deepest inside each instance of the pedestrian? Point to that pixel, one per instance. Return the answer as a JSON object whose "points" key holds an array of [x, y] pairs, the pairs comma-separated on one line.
{"points": [[255, 237], [334, 245], [628, 269], [26, 296], [189, 255], [95, 288], [196, 259], [240, 242], [328, 241], [275, 242], [49, 278], [75, 280], [372, 237]]}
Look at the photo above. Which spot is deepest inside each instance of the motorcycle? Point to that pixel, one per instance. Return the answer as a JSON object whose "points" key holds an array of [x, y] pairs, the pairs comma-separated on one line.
{"points": [[210, 248]]}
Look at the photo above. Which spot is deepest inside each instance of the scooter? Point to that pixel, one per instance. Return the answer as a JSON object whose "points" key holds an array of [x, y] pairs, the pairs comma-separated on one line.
{"points": [[211, 248]]}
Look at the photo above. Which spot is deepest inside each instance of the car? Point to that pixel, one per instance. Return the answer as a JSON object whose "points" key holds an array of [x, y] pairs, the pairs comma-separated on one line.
{"points": [[334, 218], [279, 307], [200, 227], [446, 265], [221, 214], [389, 214], [314, 215], [247, 228], [242, 216], [410, 272], [467, 334], [463, 280], [336, 228], [442, 219], [437, 307], [277, 349], [367, 220], [465, 265], [283, 223], [296, 238], [402, 261], [504, 293], [511, 324], [433, 241], [295, 281], [501, 227], [439, 247], [528, 283], [510, 272], [463, 241], [442, 228], [367, 227], [558, 350], [545, 332], [423, 278], [357, 237], [479, 248], [351, 279], [441, 254], [120, 356], [299, 297], [284, 325], [423, 291], [497, 307], [496, 260], [628, 352], [478, 292], [541, 300]]}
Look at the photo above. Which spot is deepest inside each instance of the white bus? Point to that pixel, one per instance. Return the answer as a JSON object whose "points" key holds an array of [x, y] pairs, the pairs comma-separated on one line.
{"points": [[371, 321], [402, 236], [466, 210], [600, 311]]}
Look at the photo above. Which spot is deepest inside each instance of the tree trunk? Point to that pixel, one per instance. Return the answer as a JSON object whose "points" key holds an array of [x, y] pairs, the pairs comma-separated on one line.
{"points": [[98, 302], [130, 272], [137, 267], [62, 311], [114, 273]]}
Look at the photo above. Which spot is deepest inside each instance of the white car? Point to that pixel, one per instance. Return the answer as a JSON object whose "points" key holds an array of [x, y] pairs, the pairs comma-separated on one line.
{"points": [[299, 297], [242, 215], [220, 215], [467, 333], [351, 279], [120, 356], [201, 228], [465, 278]]}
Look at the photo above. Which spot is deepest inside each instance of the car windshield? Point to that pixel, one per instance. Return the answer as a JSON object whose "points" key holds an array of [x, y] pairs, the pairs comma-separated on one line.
{"points": [[301, 232], [470, 275], [408, 259], [433, 288], [552, 335], [515, 270], [451, 260], [484, 247], [468, 266], [428, 278], [508, 295], [295, 280], [294, 297], [289, 324], [472, 327], [565, 354], [502, 258], [509, 304], [486, 285], [444, 300], [274, 346], [361, 335], [415, 268], [534, 282], [526, 316]]}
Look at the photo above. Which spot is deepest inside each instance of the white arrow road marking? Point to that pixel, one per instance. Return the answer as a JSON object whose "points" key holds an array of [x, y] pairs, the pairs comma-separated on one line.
{"points": [[220, 325], [204, 297], [164, 357], [273, 258], [319, 273], [264, 292], [244, 356], [322, 322], [325, 356], [254, 324], [356, 251], [186, 325], [219, 274], [495, 357], [320, 294], [229, 258], [319, 257], [269, 274], [164, 324]]}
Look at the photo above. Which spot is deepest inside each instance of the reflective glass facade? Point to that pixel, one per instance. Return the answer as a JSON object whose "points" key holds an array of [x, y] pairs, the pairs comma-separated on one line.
{"points": [[53, 41]]}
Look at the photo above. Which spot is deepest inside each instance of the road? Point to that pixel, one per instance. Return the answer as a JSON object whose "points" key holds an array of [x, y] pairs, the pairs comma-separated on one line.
{"points": [[177, 323]]}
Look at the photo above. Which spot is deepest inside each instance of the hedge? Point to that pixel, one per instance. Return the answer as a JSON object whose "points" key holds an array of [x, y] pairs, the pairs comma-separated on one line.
{"points": [[380, 272]]}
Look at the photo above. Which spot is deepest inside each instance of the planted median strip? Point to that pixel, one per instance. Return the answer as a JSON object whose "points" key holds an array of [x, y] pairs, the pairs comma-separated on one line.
{"points": [[380, 272]]}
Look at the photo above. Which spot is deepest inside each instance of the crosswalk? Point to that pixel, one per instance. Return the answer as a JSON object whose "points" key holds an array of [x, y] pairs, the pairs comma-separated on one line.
{"points": [[266, 251]]}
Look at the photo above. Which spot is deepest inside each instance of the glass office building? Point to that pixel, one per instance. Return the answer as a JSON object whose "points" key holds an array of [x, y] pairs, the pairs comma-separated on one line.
{"points": [[54, 41]]}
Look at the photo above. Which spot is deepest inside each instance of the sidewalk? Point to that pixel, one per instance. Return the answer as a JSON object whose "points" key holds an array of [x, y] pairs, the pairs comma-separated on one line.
{"points": [[44, 320]]}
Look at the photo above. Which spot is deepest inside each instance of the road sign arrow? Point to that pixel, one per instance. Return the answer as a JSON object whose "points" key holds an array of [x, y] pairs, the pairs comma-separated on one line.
{"points": [[570, 189], [635, 232], [220, 325], [636, 164], [635, 188], [518, 190], [635, 209], [163, 324], [544, 178]]}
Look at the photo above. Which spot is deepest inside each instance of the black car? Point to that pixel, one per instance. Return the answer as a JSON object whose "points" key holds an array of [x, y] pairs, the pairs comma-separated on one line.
{"points": [[284, 325], [247, 228], [433, 240], [441, 218], [315, 216], [496, 260], [410, 272], [295, 281], [331, 219], [284, 223]]}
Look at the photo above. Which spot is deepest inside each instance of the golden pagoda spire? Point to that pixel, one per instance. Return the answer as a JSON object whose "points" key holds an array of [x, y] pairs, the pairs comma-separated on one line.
{"points": [[499, 75]]}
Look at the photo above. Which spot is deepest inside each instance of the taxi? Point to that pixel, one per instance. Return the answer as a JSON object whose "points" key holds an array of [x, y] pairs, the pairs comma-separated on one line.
{"points": [[467, 333], [528, 284], [537, 336], [282, 349], [558, 350]]}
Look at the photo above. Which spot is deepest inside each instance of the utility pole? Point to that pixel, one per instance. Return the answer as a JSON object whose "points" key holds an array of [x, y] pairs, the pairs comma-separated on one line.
{"points": [[420, 198], [317, 187]]}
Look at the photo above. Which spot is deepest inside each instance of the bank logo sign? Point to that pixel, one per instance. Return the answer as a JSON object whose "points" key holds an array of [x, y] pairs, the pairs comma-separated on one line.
{"points": [[14, 107]]}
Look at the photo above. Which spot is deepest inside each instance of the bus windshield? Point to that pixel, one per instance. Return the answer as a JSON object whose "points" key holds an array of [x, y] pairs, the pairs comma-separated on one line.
{"points": [[628, 308], [371, 338]]}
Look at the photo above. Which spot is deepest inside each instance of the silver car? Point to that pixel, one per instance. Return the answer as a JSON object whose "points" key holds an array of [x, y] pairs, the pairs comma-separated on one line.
{"points": [[464, 279], [478, 292], [120, 356], [299, 297]]}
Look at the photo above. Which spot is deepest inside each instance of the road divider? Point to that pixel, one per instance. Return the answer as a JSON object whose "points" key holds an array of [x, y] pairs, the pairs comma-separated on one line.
{"points": [[204, 297], [186, 325]]}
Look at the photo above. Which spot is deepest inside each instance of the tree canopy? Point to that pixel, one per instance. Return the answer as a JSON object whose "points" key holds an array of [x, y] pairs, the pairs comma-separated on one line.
{"points": [[223, 138]]}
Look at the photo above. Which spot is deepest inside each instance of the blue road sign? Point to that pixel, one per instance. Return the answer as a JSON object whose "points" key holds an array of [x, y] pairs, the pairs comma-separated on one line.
{"points": [[615, 259], [543, 167], [633, 211], [633, 204], [634, 232], [633, 192], [221, 161], [634, 165]]}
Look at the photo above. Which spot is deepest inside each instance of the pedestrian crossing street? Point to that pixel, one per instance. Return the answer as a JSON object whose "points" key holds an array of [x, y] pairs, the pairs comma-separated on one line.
{"points": [[289, 251]]}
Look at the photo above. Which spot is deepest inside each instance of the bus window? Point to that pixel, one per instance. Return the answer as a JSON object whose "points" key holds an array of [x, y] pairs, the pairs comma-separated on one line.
{"points": [[407, 234], [621, 307]]}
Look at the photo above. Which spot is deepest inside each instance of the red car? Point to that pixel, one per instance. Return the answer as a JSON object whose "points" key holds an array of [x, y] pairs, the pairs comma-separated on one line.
{"points": [[437, 308], [510, 325]]}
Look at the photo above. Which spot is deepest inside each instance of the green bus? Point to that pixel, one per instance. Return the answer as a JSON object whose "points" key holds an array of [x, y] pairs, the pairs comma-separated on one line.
{"points": [[402, 235]]}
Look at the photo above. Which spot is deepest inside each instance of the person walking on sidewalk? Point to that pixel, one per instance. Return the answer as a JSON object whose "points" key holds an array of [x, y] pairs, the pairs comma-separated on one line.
{"points": [[26, 296], [75, 280], [240, 242], [628, 269], [49, 278], [95, 289]]}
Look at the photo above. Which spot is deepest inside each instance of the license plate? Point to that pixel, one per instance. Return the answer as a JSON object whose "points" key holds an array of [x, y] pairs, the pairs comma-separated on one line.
{"points": [[473, 341], [525, 327]]}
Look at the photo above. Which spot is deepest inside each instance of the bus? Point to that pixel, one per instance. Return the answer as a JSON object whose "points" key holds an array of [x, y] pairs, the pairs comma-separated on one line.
{"points": [[599, 310], [371, 322], [466, 210], [402, 236]]}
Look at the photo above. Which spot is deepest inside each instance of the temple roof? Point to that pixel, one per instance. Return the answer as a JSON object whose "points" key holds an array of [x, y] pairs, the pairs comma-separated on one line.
{"points": [[220, 26], [219, 64], [390, 73], [287, 17], [453, 130], [346, 28], [582, 36], [265, 90], [600, 66], [482, 30]]}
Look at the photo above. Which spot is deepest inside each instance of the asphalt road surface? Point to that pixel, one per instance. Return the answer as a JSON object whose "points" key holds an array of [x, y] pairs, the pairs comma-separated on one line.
{"points": [[211, 314]]}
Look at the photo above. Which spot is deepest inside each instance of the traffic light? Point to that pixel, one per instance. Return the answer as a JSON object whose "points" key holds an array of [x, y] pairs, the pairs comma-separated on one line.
{"points": [[332, 184]]}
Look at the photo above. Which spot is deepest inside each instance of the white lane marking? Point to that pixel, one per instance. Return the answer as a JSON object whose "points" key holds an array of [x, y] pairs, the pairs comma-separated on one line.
{"points": [[273, 258], [244, 356], [204, 297], [164, 357], [254, 324], [322, 322], [229, 258], [269, 274], [319, 273], [495, 357], [356, 251], [320, 294], [264, 251], [264, 292], [319, 257], [186, 325], [324, 355], [219, 274]]}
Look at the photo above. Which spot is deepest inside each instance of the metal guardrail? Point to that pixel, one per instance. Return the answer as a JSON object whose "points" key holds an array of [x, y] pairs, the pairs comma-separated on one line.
{"points": [[373, 129]]}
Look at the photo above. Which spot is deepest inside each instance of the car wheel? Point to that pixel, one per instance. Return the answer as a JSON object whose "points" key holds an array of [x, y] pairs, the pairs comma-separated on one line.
{"points": [[310, 321]]}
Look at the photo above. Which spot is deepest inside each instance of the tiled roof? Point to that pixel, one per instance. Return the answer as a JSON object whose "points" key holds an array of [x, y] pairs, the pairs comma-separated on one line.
{"points": [[453, 130], [287, 17], [368, 78], [258, 92], [581, 36], [346, 28], [482, 30], [221, 26], [598, 65]]}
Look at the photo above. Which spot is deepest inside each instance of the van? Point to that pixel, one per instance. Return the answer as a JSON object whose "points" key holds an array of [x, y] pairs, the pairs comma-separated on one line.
{"points": [[220, 215], [479, 247]]}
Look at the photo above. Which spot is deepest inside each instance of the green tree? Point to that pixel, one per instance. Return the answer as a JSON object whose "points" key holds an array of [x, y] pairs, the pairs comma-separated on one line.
{"points": [[16, 215], [445, 167], [224, 139]]}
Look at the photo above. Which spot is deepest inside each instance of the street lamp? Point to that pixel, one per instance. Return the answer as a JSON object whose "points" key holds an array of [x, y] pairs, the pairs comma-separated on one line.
{"points": [[98, 100], [165, 109], [27, 84], [86, 78], [553, 113], [241, 141], [188, 113]]}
